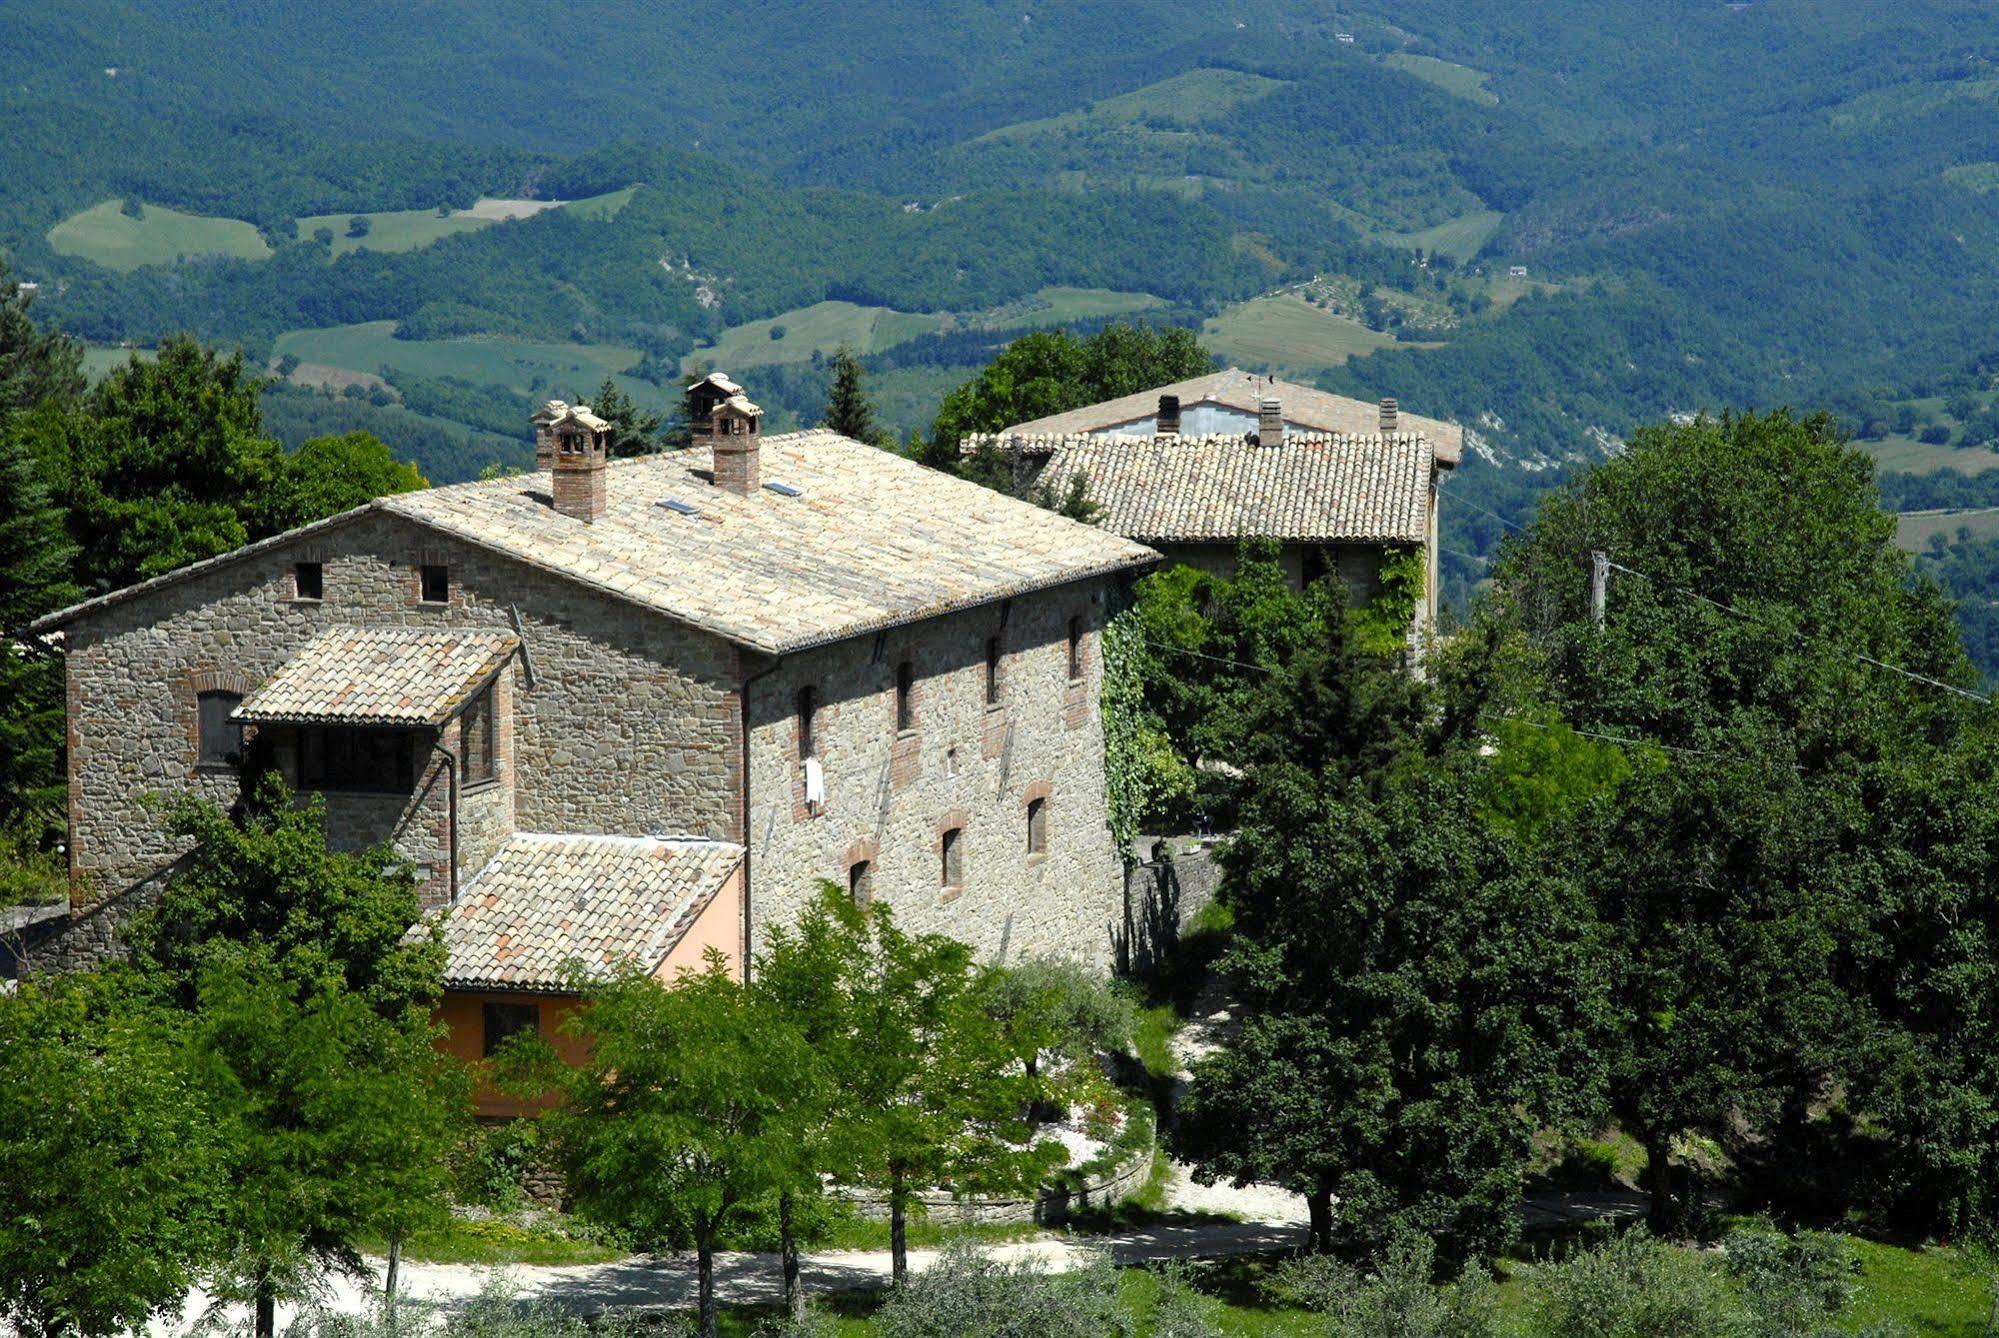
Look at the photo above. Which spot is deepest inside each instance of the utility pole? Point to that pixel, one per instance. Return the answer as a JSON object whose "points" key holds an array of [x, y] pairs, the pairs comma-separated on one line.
{"points": [[1599, 586]]}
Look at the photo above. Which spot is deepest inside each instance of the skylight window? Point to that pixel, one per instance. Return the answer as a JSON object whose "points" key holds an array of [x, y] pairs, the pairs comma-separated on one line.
{"points": [[679, 507], [784, 490]]}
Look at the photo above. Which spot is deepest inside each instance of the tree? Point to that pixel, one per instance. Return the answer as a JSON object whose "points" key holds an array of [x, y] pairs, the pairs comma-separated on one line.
{"points": [[687, 1113], [848, 411], [1418, 1002], [360, 225], [1047, 373], [1758, 600], [162, 464], [929, 1091], [111, 1178], [633, 432], [266, 880], [335, 1122], [328, 475], [35, 558], [36, 365]]}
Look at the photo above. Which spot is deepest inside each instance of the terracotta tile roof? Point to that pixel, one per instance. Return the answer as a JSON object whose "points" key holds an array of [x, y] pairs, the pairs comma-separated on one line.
{"points": [[1313, 487], [545, 902], [381, 676], [872, 540], [1308, 407]]}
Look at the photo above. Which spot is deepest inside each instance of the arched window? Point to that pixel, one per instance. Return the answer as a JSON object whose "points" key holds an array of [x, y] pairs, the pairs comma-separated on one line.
{"points": [[220, 741], [861, 882], [808, 743], [992, 671], [1037, 826], [952, 849], [905, 696], [1076, 647]]}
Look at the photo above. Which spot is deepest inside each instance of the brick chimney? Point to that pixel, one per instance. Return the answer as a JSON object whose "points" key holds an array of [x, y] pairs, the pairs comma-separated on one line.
{"points": [[1391, 418], [544, 440], [1169, 415], [1270, 422], [735, 435], [581, 443]]}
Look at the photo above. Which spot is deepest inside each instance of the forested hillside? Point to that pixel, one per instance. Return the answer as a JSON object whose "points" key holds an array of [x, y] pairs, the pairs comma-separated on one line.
{"points": [[1551, 223]]}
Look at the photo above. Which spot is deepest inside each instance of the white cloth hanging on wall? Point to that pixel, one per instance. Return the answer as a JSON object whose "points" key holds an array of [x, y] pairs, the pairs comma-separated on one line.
{"points": [[815, 782]]}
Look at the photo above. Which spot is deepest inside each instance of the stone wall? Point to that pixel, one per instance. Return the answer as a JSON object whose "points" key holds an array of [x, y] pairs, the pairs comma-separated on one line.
{"points": [[630, 723], [890, 795], [1161, 897]]}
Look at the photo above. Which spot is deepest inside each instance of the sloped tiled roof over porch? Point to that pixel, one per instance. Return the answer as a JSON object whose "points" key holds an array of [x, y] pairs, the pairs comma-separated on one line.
{"points": [[379, 676]]}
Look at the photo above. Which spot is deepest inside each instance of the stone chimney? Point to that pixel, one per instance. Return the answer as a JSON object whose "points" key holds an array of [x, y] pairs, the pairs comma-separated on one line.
{"points": [[1169, 415], [1270, 422], [1391, 418], [735, 435], [544, 439], [581, 442]]}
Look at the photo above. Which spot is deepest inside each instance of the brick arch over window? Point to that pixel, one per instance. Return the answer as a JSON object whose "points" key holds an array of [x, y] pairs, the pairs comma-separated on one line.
{"points": [[199, 683], [862, 859], [952, 854], [1036, 810]]}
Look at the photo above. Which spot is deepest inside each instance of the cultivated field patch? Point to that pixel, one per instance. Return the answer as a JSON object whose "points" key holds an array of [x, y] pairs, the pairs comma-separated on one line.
{"points": [[793, 336], [1914, 528], [565, 370], [409, 229], [1461, 238], [1286, 332], [1458, 80], [105, 234]]}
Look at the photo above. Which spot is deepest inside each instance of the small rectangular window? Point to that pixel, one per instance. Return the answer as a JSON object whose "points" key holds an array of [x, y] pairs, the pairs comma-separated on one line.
{"points": [[508, 1019], [435, 582], [905, 696], [861, 882], [1075, 648], [1037, 826], [308, 580], [372, 761], [221, 739], [953, 850], [808, 742], [478, 739], [992, 671]]}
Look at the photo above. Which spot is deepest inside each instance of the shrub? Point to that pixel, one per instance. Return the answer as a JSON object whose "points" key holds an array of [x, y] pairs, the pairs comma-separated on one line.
{"points": [[496, 1312], [1182, 1311], [777, 332], [969, 1294], [1399, 1301], [1634, 1286], [1793, 1284]]}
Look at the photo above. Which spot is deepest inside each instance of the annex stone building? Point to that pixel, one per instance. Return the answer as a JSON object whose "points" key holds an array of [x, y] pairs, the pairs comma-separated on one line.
{"points": [[1192, 469], [631, 710]]}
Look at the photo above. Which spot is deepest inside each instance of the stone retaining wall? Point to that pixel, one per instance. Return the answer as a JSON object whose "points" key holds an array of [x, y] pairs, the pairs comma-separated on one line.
{"points": [[1161, 897], [1052, 1205]]}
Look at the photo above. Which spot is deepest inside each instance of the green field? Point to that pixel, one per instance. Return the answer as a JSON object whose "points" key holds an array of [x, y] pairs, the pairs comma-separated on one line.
{"points": [[1287, 332], [821, 327], [99, 363], [1459, 80], [409, 229], [1461, 238], [1185, 97], [102, 233], [1914, 528], [1055, 306], [565, 370], [1917, 457]]}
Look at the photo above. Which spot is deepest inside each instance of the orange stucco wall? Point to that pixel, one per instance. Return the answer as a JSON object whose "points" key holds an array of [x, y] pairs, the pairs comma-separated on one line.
{"points": [[462, 1012]]}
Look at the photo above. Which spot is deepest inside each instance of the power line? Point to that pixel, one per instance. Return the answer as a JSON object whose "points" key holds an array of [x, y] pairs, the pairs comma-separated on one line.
{"points": [[1202, 655], [1909, 674]]}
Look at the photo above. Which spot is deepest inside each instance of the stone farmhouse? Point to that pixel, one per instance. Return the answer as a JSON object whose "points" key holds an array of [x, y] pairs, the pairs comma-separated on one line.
{"points": [[631, 710], [1193, 468]]}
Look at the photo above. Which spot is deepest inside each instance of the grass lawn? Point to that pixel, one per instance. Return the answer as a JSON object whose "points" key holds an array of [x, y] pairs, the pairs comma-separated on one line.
{"points": [[1913, 529], [1183, 98], [99, 363], [1459, 80], [1286, 332], [1461, 238], [1054, 306], [1917, 457], [565, 370], [104, 234], [496, 1242], [409, 229], [821, 327]]}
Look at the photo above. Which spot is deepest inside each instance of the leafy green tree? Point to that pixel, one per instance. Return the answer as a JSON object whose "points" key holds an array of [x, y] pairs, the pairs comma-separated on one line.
{"points": [[265, 879], [1752, 651], [328, 475], [688, 1112], [36, 365], [335, 1122], [163, 463], [1047, 373], [35, 558], [111, 1175], [848, 411], [633, 431], [1053, 1009]]}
